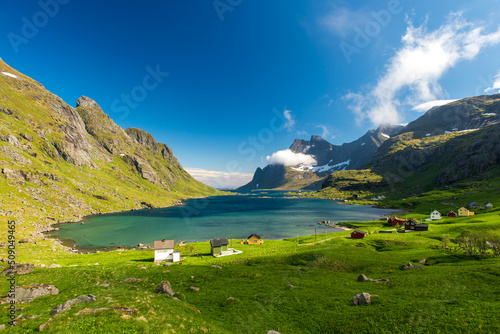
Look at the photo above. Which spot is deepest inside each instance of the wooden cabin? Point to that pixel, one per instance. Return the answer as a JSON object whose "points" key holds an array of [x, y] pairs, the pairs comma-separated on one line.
{"points": [[219, 246], [392, 221], [254, 239], [413, 225], [464, 212], [164, 251], [451, 214], [357, 234]]}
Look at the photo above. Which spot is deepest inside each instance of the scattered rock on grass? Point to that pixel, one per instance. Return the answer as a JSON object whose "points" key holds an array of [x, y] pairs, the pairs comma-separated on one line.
{"points": [[19, 269], [273, 332], [67, 305], [165, 287], [410, 265], [194, 288], [132, 279], [361, 299], [28, 293], [290, 286], [214, 266], [124, 309], [42, 327], [363, 278]]}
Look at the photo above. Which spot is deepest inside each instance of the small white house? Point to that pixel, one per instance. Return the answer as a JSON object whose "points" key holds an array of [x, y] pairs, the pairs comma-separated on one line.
{"points": [[435, 215], [164, 251]]}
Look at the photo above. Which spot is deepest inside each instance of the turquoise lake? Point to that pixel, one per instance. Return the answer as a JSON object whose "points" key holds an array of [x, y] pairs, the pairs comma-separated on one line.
{"points": [[272, 215]]}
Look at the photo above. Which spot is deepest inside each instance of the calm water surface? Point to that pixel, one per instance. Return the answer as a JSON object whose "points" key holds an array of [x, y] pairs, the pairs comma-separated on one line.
{"points": [[271, 215]]}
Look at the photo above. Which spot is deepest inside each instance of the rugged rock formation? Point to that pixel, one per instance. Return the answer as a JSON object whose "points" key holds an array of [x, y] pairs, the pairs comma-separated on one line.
{"points": [[333, 158]]}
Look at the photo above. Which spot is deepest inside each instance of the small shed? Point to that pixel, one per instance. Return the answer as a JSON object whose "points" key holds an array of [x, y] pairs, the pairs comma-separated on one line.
{"points": [[435, 215], [255, 239], [451, 214], [487, 206], [218, 246], [164, 251], [464, 212], [392, 221], [357, 234]]}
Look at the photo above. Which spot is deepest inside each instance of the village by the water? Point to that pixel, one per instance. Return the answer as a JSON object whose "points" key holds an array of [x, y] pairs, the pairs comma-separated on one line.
{"points": [[164, 250]]}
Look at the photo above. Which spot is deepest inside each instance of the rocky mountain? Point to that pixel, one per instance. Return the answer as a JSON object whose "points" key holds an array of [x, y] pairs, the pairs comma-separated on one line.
{"points": [[466, 114], [330, 158], [446, 145], [59, 163]]}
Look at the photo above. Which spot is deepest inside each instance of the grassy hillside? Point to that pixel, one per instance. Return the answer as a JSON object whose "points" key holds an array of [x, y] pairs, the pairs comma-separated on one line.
{"points": [[53, 170]]}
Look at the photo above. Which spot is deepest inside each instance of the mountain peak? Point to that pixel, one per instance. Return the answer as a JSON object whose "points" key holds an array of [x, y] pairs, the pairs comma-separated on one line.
{"points": [[85, 101], [317, 138]]}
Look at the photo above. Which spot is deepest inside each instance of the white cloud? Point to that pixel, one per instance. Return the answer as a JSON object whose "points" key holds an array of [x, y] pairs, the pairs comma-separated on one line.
{"points": [[289, 158], [326, 97], [326, 132], [290, 122], [342, 21], [302, 133], [428, 105], [418, 65], [496, 84], [220, 179]]}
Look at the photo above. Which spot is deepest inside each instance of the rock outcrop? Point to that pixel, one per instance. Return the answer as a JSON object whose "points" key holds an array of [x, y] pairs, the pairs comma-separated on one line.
{"points": [[28, 293]]}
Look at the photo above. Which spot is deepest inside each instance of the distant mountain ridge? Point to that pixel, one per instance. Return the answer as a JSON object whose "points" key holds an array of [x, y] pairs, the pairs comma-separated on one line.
{"points": [[329, 157]]}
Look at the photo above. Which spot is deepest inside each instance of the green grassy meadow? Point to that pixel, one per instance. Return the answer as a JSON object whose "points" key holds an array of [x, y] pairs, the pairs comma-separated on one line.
{"points": [[250, 294]]}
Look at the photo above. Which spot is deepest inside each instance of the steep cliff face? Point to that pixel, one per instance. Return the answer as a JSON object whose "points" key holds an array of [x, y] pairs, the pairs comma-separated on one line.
{"points": [[59, 163]]}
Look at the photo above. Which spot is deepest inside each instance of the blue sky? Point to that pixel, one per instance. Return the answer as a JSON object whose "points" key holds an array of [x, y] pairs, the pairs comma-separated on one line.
{"points": [[227, 83]]}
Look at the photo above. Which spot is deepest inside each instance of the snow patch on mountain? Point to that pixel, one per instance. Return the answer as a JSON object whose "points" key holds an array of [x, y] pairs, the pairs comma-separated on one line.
{"points": [[384, 135], [322, 169], [9, 74]]}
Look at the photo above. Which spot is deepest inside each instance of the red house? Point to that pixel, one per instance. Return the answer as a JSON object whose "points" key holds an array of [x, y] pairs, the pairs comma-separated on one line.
{"points": [[357, 234], [392, 221], [451, 214]]}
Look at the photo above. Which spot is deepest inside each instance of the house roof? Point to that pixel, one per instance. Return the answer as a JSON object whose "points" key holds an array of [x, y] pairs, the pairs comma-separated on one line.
{"points": [[435, 211], [358, 231], [411, 220], [167, 244], [219, 242], [254, 235], [463, 207], [451, 211]]}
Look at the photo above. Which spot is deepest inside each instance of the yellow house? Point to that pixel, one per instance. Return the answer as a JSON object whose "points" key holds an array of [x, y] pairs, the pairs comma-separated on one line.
{"points": [[254, 239], [463, 212]]}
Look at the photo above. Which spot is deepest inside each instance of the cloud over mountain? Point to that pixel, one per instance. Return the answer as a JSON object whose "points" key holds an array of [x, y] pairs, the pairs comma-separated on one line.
{"points": [[289, 158]]}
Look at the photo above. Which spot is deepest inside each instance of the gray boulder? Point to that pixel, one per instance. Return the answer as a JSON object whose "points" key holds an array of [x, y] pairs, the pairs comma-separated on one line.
{"points": [[67, 305], [28, 293], [19, 269], [165, 287], [362, 299], [363, 278]]}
